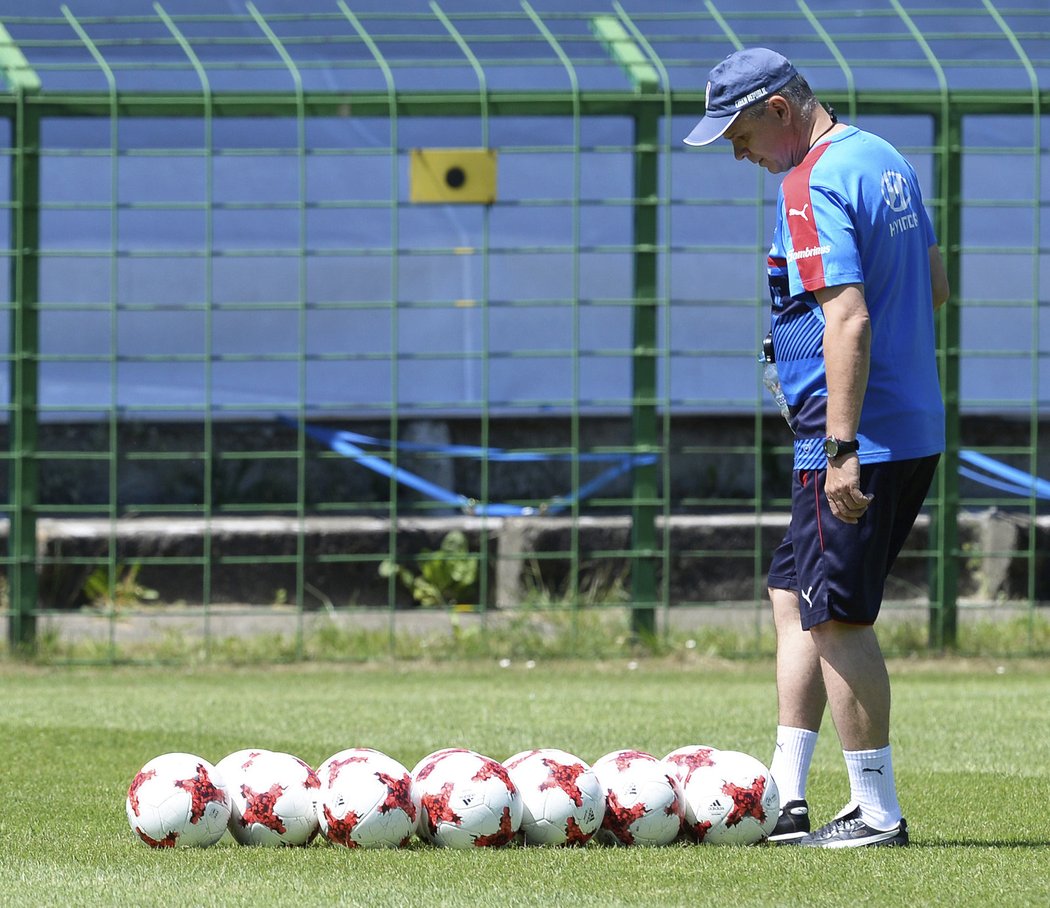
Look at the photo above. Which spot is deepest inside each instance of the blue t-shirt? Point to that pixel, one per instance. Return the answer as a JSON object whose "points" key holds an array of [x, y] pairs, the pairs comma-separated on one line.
{"points": [[852, 213]]}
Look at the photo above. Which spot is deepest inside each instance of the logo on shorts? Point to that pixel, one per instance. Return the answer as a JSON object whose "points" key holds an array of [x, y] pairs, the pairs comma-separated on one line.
{"points": [[807, 595]]}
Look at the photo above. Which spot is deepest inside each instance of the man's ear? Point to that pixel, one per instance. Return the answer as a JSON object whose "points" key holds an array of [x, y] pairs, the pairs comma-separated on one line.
{"points": [[781, 109]]}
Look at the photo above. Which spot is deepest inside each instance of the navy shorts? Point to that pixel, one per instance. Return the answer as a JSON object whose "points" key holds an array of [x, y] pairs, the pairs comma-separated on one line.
{"points": [[839, 569]]}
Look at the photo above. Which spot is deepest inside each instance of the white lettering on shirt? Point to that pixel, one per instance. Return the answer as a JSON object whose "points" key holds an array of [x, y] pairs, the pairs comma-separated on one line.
{"points": [[808, 253], [908, 222]]}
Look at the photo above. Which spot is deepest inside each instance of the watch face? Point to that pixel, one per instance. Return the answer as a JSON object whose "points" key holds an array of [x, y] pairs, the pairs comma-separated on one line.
{"points": [[833, 447]]}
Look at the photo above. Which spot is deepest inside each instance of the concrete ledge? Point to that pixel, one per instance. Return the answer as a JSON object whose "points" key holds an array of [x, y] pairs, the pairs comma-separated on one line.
{"points": [[712, 559]]}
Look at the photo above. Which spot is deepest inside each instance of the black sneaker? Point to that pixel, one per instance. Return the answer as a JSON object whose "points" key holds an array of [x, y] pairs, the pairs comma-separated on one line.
{"points": [[792, 824], [848, 830]]}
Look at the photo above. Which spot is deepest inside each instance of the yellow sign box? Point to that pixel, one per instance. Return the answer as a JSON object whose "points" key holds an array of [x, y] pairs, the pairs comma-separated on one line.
{"points": [[453, 175]]}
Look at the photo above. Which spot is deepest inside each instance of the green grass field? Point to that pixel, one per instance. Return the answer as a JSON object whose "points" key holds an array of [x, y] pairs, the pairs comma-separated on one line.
{"points": [[972, 751]]}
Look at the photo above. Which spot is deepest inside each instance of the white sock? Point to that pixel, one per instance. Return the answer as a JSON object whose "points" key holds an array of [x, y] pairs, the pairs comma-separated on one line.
{"points": [[791, 758], [872, 786]]}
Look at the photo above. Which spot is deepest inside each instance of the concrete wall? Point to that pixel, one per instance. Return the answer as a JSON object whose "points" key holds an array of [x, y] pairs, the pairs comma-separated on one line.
{"points": [[712, 559]]}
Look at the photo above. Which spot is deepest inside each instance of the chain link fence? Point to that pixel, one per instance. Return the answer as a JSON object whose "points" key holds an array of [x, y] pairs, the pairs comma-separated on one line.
{"points": [[333, 317]]}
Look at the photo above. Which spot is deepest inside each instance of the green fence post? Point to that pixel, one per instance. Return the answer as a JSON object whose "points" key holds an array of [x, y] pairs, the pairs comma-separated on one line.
{"points": [[643, 379], [622, 47], [944, 530], [25, 348], [25, 343]]}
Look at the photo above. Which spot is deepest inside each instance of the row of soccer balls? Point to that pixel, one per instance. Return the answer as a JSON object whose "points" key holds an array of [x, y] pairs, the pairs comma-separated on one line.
{"points": [[455, 798]]}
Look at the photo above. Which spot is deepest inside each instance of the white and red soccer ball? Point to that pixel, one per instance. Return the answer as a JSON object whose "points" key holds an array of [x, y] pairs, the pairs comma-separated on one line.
{"points": [[563, 802], [685, 761], [233, 763], [178, 799], [437, 756], [366, 800], [273, 798], [642, 799], [467, 800], [732, 800]]}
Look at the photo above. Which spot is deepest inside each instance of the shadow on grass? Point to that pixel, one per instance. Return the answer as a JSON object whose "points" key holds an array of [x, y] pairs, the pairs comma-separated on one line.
{"points": [[1022, 844]]}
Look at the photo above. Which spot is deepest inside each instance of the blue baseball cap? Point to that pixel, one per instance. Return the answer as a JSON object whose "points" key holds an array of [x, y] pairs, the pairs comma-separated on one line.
{"points": [[740, 80]]}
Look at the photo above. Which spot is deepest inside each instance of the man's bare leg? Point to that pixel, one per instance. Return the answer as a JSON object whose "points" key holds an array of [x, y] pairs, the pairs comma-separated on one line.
{"points": [[800, 707], [858, 690], [801, 695], [856, 681]]}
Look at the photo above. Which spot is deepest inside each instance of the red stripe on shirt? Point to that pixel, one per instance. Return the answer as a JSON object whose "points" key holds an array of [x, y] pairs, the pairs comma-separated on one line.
{"points": [[820, 525], [801, 224]]}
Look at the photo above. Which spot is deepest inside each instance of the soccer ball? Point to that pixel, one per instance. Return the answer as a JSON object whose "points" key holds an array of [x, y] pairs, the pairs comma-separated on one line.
{"points": [[273, 799], [623, 759], [422, 770], [436, 757], [733, 801], [563, 801], [467, 801], [178, 799], [684, 761], [239, 760], [366, 800], [642, 799]]}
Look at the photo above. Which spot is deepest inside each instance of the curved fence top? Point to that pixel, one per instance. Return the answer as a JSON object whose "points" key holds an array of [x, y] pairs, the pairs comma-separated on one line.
{"points": [[182, 46]]}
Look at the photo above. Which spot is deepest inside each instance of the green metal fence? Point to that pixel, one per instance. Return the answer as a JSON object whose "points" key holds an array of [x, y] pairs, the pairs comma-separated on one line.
{"points": [[168, 468]]}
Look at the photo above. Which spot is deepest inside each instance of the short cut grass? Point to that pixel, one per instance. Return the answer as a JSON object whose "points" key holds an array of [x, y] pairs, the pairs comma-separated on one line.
{"points": [[971, 746]]}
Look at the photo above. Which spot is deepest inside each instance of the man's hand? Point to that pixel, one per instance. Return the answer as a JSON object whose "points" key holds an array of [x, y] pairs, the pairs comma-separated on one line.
{"points": [[842, 488]]}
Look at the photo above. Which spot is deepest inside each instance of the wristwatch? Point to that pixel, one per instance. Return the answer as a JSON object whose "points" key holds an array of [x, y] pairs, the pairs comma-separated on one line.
{"points": [[836, 447]]}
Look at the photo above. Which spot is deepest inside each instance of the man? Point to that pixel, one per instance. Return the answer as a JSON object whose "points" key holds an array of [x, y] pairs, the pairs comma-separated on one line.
{"points": [[855, 276]]}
